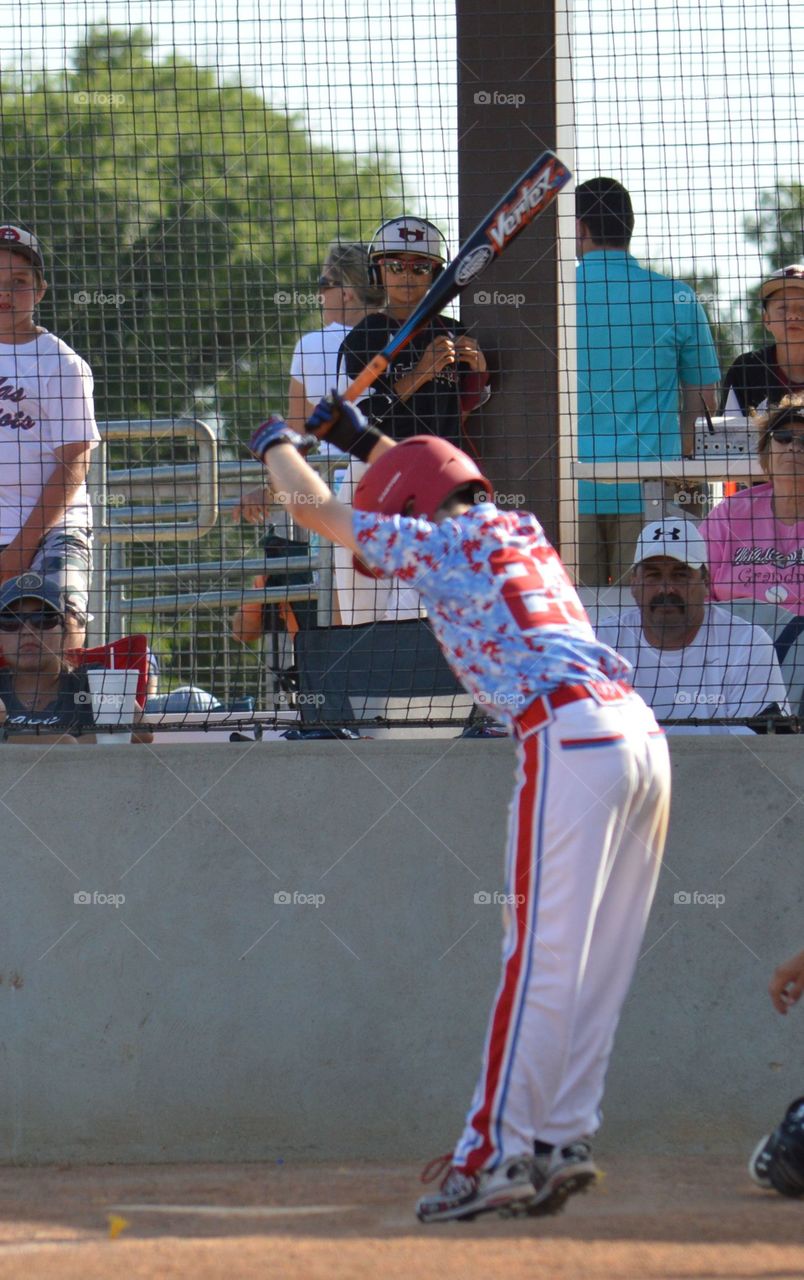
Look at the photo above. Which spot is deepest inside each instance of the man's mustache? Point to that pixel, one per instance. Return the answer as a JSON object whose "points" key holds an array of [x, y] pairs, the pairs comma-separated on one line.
{"points": [[668, 597]]}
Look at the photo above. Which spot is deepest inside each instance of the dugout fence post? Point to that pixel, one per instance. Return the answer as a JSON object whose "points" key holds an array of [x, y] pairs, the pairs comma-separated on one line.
{"points": [[506, 116]]}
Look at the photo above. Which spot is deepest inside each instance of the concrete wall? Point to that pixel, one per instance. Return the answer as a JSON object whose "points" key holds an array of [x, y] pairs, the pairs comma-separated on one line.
{"points": [[201, 1019]]}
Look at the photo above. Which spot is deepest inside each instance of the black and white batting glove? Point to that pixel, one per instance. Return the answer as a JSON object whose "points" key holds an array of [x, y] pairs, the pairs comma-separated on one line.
{"points": [[342, 424], [276, 431]]}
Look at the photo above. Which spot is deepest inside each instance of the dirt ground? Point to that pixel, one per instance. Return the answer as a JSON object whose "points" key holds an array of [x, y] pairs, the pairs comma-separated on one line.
{"points": [[692, 1217]]}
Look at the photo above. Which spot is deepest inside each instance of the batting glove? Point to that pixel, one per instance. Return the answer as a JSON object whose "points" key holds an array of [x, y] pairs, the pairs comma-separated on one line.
{"points": [[342, 424], [276, 431]]}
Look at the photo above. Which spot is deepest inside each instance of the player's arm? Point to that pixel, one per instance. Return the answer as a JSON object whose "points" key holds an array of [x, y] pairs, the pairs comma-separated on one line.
{"points": [[66, 477], [296, 485], [787, 984], [310, 502]]}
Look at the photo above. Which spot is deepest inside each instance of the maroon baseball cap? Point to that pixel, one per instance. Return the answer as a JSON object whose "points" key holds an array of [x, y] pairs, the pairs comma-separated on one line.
{"points": [[792, 275], [23, 242]]}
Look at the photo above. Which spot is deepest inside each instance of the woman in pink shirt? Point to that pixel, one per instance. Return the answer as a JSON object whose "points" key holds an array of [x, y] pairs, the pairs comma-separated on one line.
{"points": [[755, 539]]}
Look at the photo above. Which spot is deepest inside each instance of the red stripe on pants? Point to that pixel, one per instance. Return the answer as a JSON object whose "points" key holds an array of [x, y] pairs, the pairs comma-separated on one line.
{"points": [[497, 1043]]}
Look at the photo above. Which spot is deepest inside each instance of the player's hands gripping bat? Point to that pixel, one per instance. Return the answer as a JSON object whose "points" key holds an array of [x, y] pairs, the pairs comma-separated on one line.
{"points": [[276, 431], [342, 425], [530, 195]]}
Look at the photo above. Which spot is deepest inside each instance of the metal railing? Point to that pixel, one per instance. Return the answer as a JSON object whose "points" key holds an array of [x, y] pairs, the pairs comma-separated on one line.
{"points": [[179, 503]]}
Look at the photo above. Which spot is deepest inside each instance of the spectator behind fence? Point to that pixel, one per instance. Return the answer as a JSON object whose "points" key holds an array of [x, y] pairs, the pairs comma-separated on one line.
{"points": [[760, 379], [45, 697], [755, 538], [646, 366], [431, 387], [47, 432], [279, 621], [347, 295], [691, 660]]}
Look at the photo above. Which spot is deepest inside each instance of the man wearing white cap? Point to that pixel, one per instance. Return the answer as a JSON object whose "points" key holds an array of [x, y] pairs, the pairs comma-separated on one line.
{"points": [[692, 660], [761, 378]]}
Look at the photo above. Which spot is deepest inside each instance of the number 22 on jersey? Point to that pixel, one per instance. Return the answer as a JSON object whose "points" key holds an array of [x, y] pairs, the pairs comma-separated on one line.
{"points": [[536, 588]]}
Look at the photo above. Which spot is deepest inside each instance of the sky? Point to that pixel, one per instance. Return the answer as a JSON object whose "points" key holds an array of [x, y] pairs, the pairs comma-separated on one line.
{"points": [[692, 106]]}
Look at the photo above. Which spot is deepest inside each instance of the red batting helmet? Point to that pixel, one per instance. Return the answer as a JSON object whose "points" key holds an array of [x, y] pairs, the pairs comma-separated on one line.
{"points": [[417, 477]]}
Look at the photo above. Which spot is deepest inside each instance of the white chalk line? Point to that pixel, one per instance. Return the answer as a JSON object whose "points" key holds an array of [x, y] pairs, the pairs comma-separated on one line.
{"points": [[234, 1211]]}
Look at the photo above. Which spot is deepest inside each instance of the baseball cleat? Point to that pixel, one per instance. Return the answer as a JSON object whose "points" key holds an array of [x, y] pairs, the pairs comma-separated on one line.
{"points": [[506, 1190], [561, 1174], [759, 1163]]}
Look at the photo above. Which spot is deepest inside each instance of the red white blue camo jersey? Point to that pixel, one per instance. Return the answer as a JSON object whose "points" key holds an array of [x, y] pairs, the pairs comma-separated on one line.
{"points": [[499, 601]]}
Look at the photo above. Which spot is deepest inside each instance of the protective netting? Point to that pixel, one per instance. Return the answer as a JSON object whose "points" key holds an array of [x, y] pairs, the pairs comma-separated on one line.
{"points": [[187, 170]]}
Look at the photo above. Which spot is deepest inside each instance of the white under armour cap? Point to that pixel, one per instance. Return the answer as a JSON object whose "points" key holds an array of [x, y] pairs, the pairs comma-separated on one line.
{"points": [[677, 539]]}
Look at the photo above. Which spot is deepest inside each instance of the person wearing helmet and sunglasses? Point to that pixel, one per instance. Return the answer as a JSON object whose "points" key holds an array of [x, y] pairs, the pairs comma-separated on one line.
{"points": [[441, 376], [431, 386], [588, 816]]}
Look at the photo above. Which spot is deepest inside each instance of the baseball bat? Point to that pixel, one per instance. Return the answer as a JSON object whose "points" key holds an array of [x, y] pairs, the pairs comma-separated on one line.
{"points": [[530, 195]]}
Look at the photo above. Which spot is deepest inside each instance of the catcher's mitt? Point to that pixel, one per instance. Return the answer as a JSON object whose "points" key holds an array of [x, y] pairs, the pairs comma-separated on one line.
{"points": [[785, 1149]]}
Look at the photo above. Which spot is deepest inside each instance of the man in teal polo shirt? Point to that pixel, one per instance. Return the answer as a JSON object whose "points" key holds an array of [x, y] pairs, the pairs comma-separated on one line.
{"points": [[646, 366]]}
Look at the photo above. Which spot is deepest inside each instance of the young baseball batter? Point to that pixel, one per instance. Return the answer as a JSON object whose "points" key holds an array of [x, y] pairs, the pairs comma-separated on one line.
{"points": [[589, 811]]}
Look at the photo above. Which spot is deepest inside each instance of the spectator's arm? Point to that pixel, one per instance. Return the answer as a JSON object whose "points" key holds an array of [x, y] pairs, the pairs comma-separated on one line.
{"points": [[58, 491], [692, 403], [247, 620], [299, 407]]}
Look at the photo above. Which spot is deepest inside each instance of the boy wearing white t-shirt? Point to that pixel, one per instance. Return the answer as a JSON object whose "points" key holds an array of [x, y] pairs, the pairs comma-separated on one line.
{"points": [[47, 433]]}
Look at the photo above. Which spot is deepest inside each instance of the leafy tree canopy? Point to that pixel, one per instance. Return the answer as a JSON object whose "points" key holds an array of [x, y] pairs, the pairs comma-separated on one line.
{"points": [[183, 220]]}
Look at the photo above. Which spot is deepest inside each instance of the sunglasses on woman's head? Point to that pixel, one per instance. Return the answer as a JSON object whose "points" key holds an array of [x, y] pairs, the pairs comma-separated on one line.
{"points": [[41, 620]]}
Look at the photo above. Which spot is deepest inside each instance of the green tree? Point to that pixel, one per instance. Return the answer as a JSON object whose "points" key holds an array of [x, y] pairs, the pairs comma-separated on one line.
{"points": [[183, 220]]}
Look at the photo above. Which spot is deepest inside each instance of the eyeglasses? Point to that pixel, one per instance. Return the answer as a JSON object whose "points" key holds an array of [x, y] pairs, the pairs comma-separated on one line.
{"points": [[783, 435], [398, 267], [324, 284], [42, 620]]}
